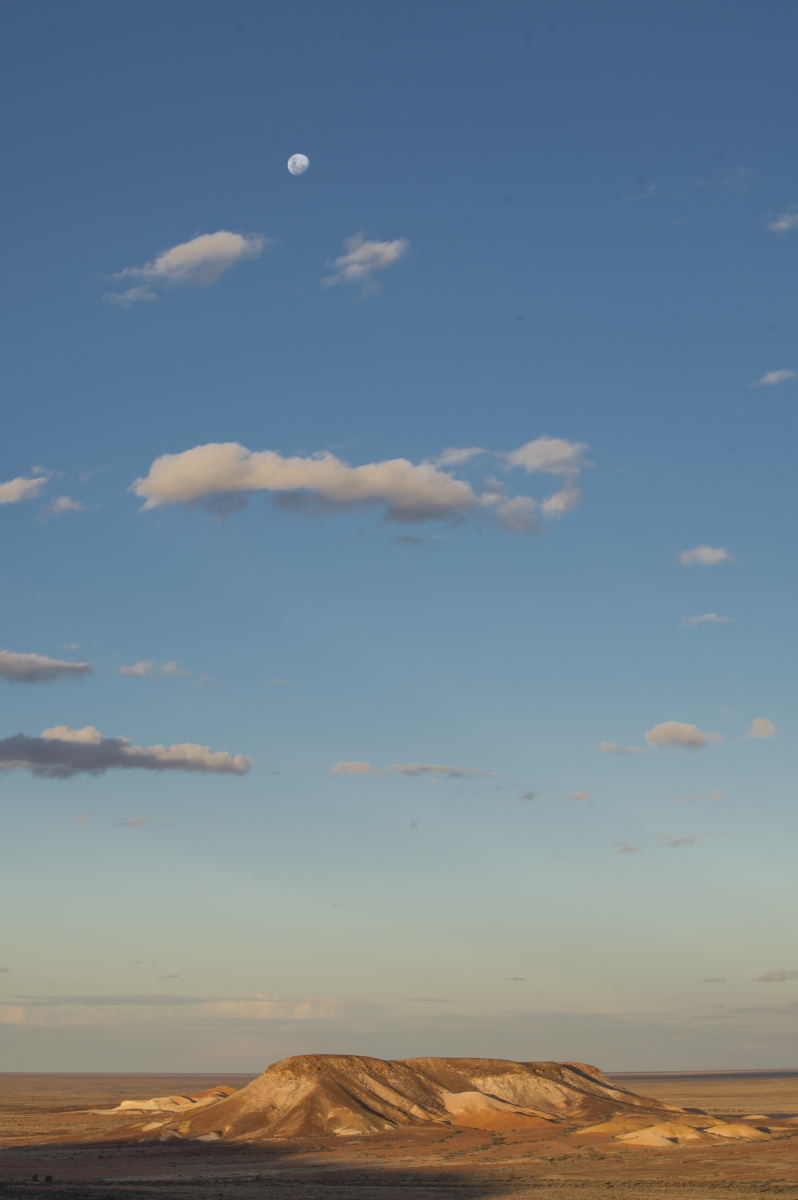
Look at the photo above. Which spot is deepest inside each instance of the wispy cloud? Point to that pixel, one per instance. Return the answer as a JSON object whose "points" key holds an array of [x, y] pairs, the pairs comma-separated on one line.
{"points": [[140, 669], [61, 752], [61, 505], [704, 556], [146, 667], [14, 491], [760, 727], [38, 668], [427, 1000], [783, 223], [363, 259], [131, 822], [277, 682], [686, 839], [776, 976], [617, 748], [737, 177], [455, 456], [626, 848], [173, 667], [774, 378], [716, 795], [709, 618], [272, 1008], [196, 263], [140, 293], [409, 539], [530, 795], [583, 796], [85, 476], [109, 1000], [221, 475], [366, 768], [713, 979]]}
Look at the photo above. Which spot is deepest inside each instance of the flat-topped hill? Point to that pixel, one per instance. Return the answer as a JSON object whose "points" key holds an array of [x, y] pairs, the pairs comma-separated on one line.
{"points": [[346, 1094]]}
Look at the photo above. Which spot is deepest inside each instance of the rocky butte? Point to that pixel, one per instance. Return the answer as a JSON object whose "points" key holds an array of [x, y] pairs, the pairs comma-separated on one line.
{"points": [[353, 1095]]}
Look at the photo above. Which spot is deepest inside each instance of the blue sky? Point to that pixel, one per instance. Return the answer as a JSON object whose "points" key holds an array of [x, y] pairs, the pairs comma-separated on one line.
{"points": [[558, 236]]}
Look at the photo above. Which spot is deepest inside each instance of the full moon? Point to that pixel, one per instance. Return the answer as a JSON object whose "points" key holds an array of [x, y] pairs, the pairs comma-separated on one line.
{"points": [[298, 164]]}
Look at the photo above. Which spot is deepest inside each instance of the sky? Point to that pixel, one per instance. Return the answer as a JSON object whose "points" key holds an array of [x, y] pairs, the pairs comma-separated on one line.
{"points": [[399, 602]]}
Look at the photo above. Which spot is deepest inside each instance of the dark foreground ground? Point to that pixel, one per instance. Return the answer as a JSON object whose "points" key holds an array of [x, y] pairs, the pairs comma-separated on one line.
{"points": [[43, 1121]]}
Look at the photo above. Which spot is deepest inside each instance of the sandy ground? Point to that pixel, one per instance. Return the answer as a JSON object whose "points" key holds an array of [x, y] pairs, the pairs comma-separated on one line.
{"points": [[45, 1130]]}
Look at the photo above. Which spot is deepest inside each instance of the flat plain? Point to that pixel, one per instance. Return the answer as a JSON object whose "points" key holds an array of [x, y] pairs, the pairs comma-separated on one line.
{"points": [[54, 1142]]}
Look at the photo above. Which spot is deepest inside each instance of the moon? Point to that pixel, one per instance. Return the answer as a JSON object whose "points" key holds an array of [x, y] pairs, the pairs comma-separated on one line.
{"points": [[298, 164]]}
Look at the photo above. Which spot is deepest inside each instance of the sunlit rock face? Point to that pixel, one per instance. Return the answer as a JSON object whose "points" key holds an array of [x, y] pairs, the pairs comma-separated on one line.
{"points": [[345, 1095]]}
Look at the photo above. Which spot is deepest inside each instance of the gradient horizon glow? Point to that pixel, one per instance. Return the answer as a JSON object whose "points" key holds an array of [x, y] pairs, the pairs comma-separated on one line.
{"points": [[398, 630]]}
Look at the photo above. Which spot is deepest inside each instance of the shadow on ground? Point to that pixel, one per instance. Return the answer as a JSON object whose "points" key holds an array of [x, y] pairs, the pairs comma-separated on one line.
{"points": [[121, 1171]]}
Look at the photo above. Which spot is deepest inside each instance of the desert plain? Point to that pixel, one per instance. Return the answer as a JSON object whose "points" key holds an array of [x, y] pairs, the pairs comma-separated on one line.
{"points": [[84, 1137]]}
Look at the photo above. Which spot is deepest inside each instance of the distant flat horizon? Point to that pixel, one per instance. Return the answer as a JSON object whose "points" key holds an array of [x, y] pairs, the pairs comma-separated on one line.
{"points": [[763, 1072]]}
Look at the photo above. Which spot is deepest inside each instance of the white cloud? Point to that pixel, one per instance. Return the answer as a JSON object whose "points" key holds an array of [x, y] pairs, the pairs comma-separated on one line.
{"points": [[365, 768], [760, 727], [773, 378], [363, 259], [37, 668], [704, 556], [61, 505], [783, 223], [198, 262], [615, 748], [219, 473], [562, 502], [13, 491], [410, 492], [61, 752], [554, 456], [709, 618], [679, 735]]}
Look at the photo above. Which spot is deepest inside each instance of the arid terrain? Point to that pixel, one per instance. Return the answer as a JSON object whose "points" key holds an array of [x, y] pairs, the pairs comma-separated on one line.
{"points": [[105, 1137]]}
